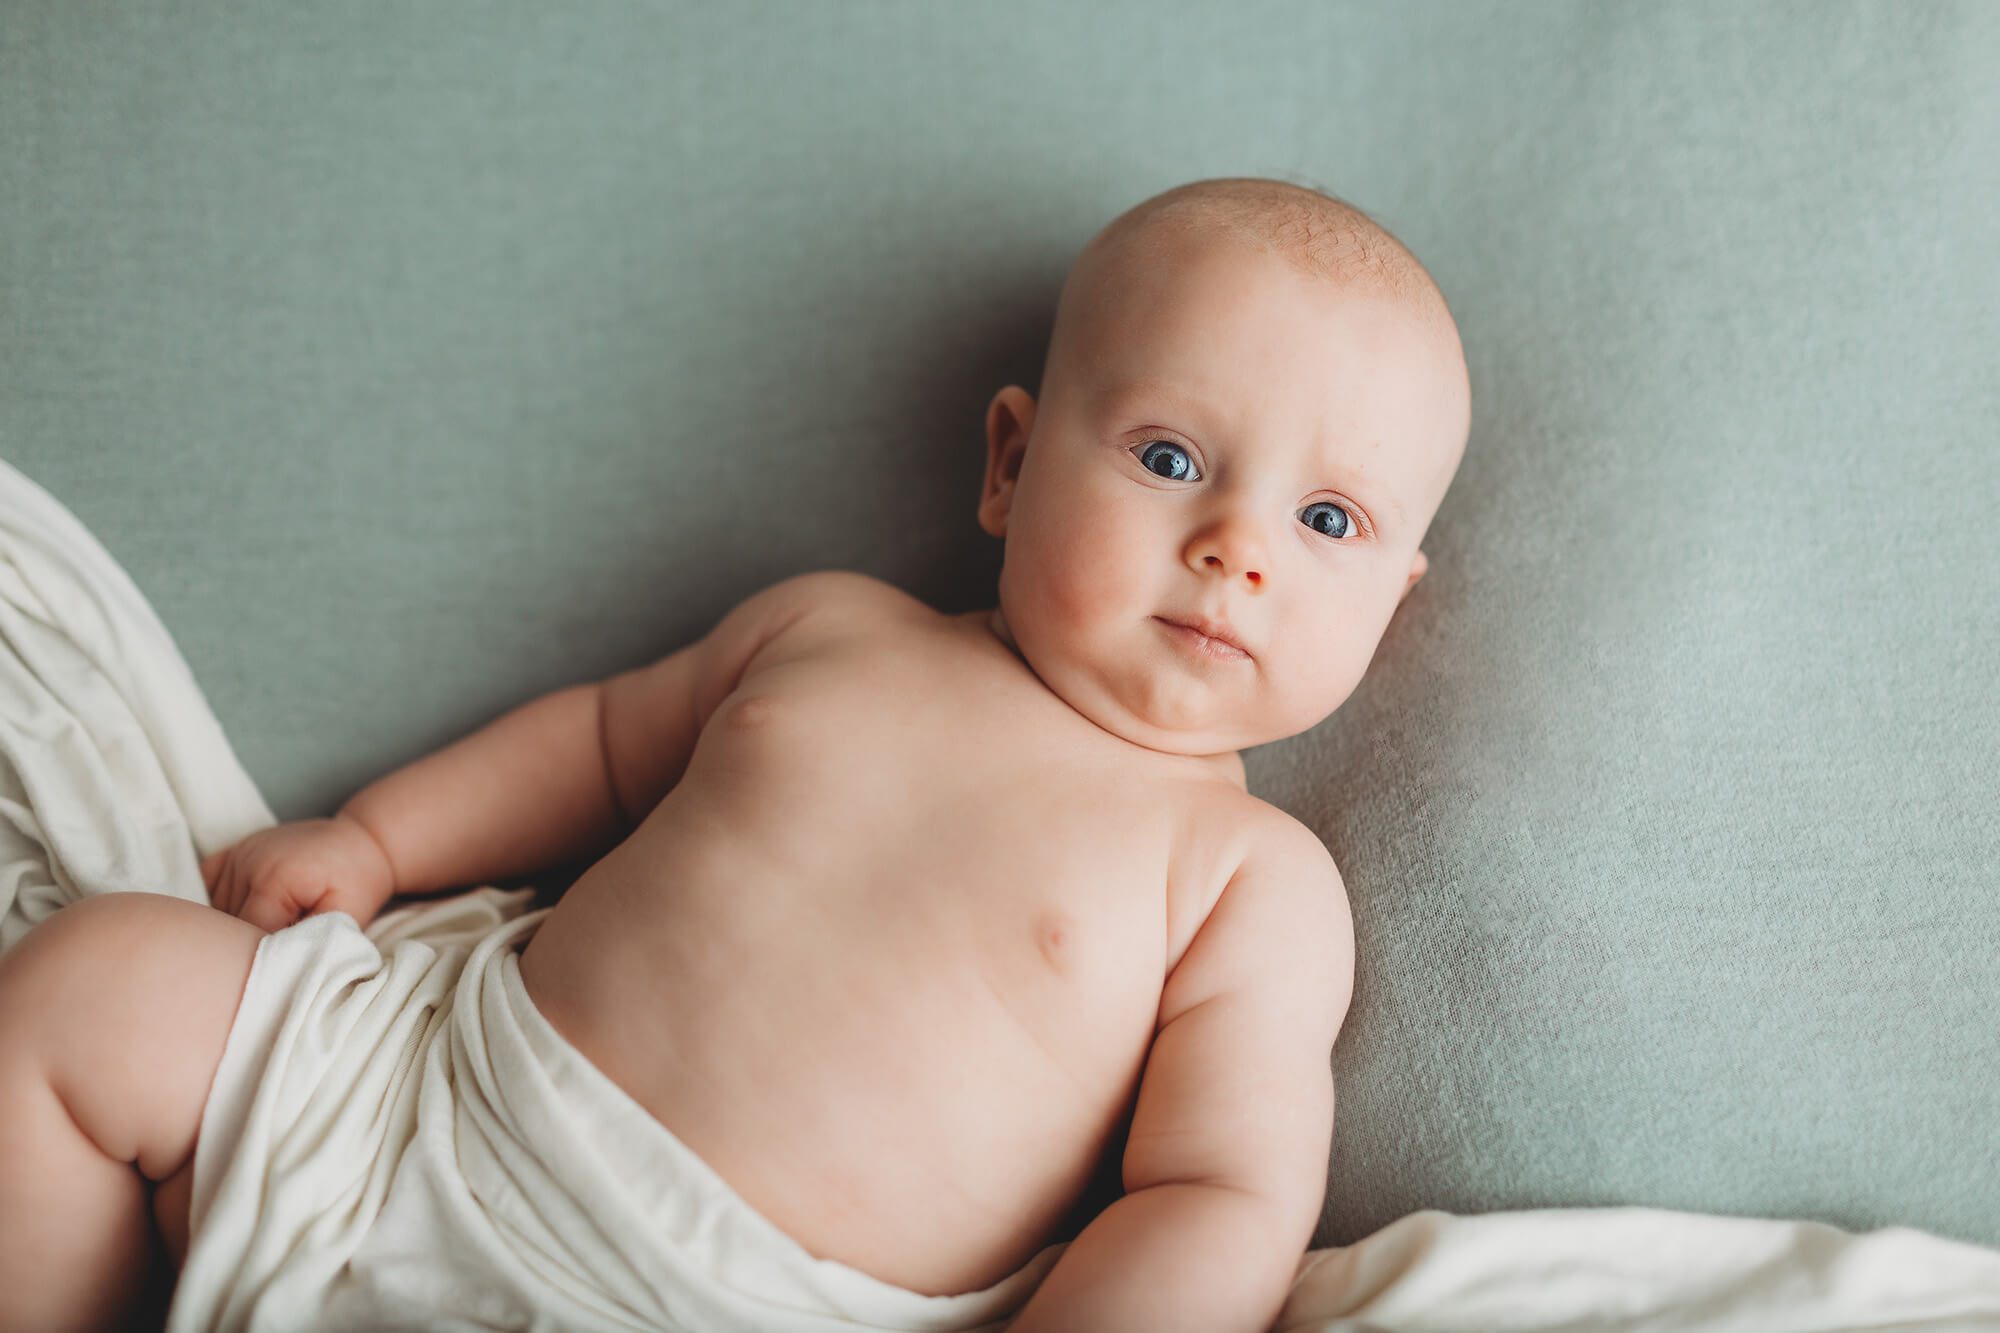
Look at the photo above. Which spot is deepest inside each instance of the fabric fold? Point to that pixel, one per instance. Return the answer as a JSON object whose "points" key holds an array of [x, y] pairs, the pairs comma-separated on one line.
{"points": [[398, 1138]]}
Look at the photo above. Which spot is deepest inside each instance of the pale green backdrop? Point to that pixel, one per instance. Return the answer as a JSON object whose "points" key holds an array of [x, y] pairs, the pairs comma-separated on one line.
{"points": [[417, 359]]}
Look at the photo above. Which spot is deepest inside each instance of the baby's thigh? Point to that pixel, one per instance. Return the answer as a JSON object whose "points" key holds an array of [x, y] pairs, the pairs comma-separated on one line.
{"points": [[130, 997]]}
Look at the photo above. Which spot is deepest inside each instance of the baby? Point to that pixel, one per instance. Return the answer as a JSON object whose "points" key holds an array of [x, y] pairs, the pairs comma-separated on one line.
{"points": [[898, 919]]}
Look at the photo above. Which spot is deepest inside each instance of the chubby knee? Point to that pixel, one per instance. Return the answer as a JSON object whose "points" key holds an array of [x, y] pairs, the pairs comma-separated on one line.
{"points": [[126, 1001]]}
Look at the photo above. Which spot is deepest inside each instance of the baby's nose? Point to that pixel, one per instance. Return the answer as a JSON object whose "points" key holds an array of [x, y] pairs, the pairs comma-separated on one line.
{"points": [[1252, 576]]}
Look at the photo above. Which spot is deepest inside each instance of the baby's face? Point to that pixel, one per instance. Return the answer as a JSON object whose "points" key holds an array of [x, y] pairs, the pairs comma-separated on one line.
{"points": [[1242, 444]]}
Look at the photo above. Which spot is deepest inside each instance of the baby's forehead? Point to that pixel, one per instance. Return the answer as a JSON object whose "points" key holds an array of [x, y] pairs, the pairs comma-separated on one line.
{"points": [[1248, 341], [1227, 316], [1218, 283]]}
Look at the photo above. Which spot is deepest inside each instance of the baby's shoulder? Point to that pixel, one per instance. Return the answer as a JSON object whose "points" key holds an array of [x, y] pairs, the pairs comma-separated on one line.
{"points": [[1271, 836], [837, 602], [844, 589], [1244, 837]]}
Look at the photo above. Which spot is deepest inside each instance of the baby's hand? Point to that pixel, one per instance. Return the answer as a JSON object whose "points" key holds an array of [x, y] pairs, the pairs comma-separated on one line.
{"points": [[278, 875]]}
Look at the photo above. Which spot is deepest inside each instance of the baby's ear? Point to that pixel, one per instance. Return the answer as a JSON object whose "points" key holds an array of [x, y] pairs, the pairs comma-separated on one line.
{"points": [[1010, 417], [1417, 568]]}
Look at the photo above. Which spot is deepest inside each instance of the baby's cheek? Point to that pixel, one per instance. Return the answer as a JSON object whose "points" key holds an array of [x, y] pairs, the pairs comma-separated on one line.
{"points": [[1320, 679], [1104, 580], [1068, 564]]}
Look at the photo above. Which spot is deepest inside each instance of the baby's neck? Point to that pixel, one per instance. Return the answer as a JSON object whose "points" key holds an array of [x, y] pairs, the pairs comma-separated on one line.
{"points": [[1230, 762], [998, 624]]}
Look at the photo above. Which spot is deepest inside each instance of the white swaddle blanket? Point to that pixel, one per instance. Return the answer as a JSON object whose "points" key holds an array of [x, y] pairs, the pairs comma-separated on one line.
{"points": [[398, 1139], [395, 1130]]}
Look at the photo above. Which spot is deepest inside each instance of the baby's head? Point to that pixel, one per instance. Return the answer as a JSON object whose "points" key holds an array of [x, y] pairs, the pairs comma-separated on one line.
{"points": [[1253, 401]]}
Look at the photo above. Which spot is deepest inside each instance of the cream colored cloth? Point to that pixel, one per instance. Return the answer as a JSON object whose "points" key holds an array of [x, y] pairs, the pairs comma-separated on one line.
{"points": [[398, 1139], [115, 777], [1641, 1270]]}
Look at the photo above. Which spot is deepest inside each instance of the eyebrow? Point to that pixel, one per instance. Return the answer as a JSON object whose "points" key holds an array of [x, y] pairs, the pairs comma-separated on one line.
{"points": [[1146, 388]]}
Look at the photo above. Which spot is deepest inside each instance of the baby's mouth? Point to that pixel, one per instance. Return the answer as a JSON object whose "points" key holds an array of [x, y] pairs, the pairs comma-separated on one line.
{"points": [[1201, 645]]}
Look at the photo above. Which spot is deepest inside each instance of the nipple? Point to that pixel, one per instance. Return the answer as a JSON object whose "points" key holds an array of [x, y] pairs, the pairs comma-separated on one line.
{"points": [[750, 711], [1052, 935]]}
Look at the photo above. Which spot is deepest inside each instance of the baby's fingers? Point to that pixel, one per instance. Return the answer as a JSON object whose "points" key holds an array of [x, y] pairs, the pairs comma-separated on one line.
{"points": [[356, 902], [232, 886], [218, 872], [269, 911]]}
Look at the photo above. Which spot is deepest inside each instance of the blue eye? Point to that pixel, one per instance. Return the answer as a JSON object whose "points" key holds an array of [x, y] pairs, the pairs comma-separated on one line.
{"points": [[1182, 472], [1325, 522], [1323, 516]]}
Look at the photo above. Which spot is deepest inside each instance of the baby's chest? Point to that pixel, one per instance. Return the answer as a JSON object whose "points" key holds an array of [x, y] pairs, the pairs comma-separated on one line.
{"points": [[972, 817], [978, 805], [1053, 889]]}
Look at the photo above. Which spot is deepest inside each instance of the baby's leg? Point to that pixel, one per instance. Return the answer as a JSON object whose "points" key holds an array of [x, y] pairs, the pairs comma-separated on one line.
{"points": [[113, 1015]]}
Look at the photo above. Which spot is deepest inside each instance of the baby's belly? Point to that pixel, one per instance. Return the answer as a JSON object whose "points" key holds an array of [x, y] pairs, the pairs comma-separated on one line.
{"points": [[913, 1087]]}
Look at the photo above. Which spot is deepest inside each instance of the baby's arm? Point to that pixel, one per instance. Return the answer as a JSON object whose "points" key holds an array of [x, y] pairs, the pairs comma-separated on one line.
{"points": [[559, 779], [523, 793], [526, 791], [1226, 1159], [568, 775]]}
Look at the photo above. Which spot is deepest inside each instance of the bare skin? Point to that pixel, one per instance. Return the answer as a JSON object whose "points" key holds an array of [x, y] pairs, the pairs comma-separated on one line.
{"points": [[901, 1009]]}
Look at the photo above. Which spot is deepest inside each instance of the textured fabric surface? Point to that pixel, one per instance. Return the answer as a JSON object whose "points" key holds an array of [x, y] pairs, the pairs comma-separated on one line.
{"points": [[418, 359]]}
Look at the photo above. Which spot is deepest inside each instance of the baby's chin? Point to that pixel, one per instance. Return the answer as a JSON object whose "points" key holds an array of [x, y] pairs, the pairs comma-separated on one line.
{"points": [[1225, 730], [1188, 729], [1158, 705]]}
